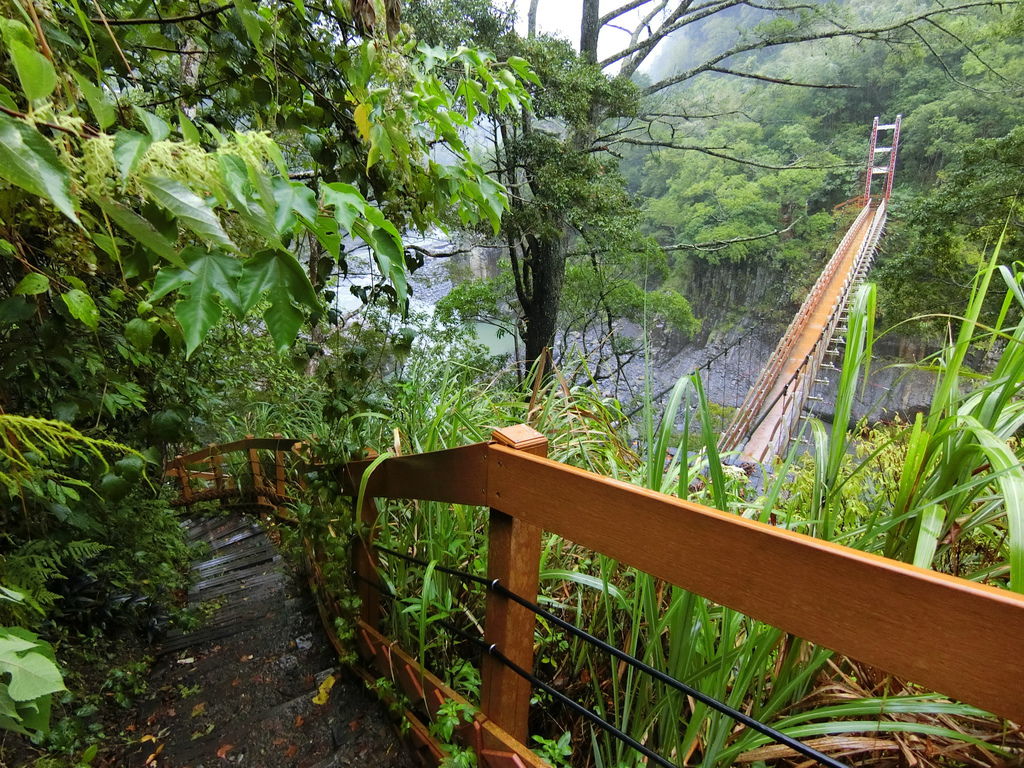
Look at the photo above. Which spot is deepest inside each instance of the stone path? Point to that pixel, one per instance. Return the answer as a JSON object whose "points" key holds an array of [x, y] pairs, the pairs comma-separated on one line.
{"points": [[240, 689]]}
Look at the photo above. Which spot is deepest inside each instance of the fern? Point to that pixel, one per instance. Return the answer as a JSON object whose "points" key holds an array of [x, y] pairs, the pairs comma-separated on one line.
{"points": [[23, 436], [34, 566]]}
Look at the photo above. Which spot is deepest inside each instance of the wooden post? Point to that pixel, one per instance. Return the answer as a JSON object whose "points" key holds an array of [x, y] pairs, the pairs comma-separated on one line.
{"points": [[183, 478], [216, 461], [513, 557], [256, 469], [365, 558], [279, 485]]}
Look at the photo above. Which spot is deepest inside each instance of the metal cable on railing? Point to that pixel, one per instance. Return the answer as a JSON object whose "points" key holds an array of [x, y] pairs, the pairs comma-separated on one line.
{"points": [[494, 585]]}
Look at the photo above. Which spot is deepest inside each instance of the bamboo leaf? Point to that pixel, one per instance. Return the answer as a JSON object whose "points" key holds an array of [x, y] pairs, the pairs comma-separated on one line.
{"points": [[930, 523], [1010, 477]]}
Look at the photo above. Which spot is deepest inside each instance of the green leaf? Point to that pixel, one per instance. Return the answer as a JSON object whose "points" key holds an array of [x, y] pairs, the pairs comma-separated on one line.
{"points": [[15, 309], [274, 271], [168, 280], [32, 284], [82, 307], [8, 709], [102, 109], [129, 147], [113, 487], [157, 128], [27, 160], [250, 18], [212, 279], [349, 203], [326, 230], [32, 674], [389, 258], [140, 333], [15, 31], [292, 197], [282, 318], [189, 132], [496, 197], [36, 73], [189, 208], [141, 229], [386, 243], [14, 644]]}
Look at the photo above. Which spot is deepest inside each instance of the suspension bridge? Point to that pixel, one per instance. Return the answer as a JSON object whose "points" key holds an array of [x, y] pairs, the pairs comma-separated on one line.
{"points": [[768, 418]]}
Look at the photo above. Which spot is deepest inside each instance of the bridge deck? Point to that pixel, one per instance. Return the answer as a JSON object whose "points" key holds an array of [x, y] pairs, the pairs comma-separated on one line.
{"points": [[759, 444]]}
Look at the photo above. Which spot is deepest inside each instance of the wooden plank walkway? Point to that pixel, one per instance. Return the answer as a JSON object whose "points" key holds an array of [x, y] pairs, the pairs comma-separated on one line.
{"points": [[239, 689]]}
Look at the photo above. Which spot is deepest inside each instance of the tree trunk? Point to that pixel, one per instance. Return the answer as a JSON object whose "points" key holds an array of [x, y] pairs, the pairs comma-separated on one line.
{"points": [[546, 261], [590, 28]]}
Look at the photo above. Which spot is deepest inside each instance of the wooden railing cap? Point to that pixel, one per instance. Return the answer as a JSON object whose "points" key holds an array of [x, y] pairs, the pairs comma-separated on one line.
{"points": [[520, 437]]}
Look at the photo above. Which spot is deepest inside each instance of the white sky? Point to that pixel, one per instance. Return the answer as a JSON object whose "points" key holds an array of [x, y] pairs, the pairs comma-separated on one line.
{"points": [[562, 18]]}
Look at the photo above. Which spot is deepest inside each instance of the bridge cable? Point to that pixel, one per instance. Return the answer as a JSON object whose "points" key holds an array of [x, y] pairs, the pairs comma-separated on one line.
{"points": [[494, 585]]}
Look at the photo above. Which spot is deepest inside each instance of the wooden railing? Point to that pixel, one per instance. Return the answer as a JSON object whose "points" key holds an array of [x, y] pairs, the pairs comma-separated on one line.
{"points": [[254, 471], [957, 637]]}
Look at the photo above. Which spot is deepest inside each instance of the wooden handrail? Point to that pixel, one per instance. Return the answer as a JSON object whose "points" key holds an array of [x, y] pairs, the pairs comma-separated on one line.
{"points": [[251, 443], [948, 634]]}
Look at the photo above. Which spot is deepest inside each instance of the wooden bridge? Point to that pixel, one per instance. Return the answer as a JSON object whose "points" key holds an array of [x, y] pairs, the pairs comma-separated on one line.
{"points": [[769, 416], [947, 634]]}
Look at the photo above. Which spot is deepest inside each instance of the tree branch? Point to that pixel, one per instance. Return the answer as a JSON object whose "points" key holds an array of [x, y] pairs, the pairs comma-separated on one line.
{"points": [[725, 156], [826, 34], [717, 245], [87, 130], [778, 80], [680, 20], [685, 15], [166, 19], [630, 6]]}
